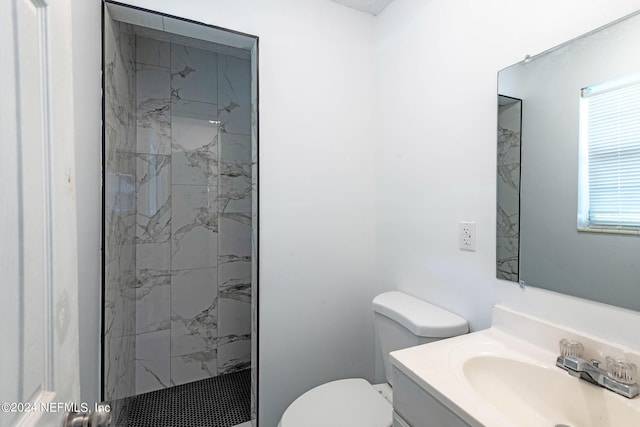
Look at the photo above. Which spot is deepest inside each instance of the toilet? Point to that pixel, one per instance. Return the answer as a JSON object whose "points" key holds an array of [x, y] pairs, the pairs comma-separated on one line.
{"points": [[401, 321]]}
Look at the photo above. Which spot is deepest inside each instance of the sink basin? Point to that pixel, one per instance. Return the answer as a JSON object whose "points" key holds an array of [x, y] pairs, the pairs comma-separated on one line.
{"points": [[531, 394], [505, 376]]}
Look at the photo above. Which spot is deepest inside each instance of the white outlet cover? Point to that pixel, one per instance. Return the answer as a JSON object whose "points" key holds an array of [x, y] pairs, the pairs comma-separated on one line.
{"points": [[467, 236]]}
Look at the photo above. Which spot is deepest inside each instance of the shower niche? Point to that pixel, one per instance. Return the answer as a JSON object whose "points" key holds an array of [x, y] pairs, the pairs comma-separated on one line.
{"points": [[180, 202]]}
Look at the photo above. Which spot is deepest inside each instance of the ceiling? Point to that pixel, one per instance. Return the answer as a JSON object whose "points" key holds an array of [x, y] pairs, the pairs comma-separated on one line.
{"points": [[373, 7]]}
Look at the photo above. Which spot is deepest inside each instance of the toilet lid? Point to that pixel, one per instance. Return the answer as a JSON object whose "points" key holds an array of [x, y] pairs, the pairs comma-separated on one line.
{"points": [[351, 402]]}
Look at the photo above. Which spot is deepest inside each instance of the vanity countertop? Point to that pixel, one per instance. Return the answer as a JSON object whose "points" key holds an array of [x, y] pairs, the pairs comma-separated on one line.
{"points": [[506, 375]]}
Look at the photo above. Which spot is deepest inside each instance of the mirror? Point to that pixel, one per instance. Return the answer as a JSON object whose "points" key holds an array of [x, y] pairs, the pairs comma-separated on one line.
{"points": [[538, 241]]}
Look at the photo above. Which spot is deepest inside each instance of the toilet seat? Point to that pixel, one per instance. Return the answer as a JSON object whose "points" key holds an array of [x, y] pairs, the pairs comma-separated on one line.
{"points": [[343, 403]]}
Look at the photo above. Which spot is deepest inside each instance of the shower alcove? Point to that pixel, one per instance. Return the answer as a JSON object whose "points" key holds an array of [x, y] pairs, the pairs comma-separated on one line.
{"points": [[180, 203]]}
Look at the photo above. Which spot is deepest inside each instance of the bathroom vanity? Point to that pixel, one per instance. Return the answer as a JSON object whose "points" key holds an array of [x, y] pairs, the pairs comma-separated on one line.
{"points": [[415, 406], [505, 376]]}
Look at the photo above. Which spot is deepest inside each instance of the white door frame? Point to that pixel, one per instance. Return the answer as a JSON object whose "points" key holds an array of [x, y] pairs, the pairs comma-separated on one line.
{"points": [[38, 247]]}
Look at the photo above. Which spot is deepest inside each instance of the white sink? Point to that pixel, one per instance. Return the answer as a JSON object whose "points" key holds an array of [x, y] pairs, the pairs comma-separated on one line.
{"points": [[546, 395], [506, 376]]}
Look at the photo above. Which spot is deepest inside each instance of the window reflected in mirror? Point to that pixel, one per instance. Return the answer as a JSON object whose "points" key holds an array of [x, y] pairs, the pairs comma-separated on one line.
{"points": [[541, 159]]}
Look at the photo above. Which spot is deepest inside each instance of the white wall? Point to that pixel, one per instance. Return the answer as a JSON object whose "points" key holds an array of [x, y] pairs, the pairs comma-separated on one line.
{"points": [[88, 113], [316, 188], [435, 127], [437, 64]]}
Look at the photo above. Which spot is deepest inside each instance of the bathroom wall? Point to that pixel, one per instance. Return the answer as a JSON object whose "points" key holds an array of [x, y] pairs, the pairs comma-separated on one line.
{"points": [[318, 167], [193, 232], [437, 173], [508, 190], [317, 234], [119, 211], [85, 16]]}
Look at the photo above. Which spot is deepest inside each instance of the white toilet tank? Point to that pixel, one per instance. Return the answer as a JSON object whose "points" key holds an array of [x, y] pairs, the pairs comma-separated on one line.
{"points": [[402, 321]]}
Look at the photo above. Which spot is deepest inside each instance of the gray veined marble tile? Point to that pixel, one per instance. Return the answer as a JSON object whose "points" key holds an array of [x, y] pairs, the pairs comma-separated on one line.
{"points": [[120, 190], [234, 353], [194, 227], [120, 229], [154, 256], [121, 117], [152, 52], [508, 207], [120, 211], [119, 298], [509, 175], [235, 188], [152, 307], [238, 288], [235, 148], [235, 234], [153, 198], [193, 367], [194, 125], [110, 146], [195, 168], [201, 114], [153, 292], [193, 311], [153, 361], [507, 242], [195, 143], [234, 318], [153, 112], [127, 40], [152, 83], [119, 367], [507, 259], [226, 259], [119, 315], [120, 103], [120, 193], [508, 248], [508, 146], [507, 222], [234, 96], [193, 74], [234, 278], [120, 87]]}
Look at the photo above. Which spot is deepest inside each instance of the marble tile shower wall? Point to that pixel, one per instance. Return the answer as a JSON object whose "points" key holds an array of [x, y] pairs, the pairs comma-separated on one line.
{"points": [[120, 212], [194, 222], [508, 209]]}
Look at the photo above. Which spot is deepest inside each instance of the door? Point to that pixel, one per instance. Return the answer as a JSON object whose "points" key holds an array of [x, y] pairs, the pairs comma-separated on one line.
{"points": [[39, 361]]}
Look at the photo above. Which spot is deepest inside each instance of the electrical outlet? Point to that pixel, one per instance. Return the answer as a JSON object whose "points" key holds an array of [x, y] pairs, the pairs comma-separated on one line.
{"points": [[467, 236]]}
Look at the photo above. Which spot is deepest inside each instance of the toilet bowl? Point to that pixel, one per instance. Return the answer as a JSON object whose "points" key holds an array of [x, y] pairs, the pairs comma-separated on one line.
{"points": [[350, 402], [401, 321]]}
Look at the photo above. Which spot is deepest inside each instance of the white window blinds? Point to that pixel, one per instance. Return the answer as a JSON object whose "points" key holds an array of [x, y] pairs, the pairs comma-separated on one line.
{"points": [[610, 147]]}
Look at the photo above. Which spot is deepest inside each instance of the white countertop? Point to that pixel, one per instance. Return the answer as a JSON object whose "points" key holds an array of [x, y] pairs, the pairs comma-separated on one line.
{"points": [[438, 367]]}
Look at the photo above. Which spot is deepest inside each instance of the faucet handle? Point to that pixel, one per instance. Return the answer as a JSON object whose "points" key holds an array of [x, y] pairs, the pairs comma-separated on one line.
{"points": [[621, 370], [570, 348]]}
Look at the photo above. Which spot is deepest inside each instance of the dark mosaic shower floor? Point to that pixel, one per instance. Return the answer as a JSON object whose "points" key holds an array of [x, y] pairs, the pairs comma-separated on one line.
{"points": [[221, 401]]}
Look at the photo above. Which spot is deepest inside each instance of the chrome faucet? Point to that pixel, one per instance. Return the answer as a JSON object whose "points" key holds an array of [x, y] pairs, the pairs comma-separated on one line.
{"points": [[591, 371]]}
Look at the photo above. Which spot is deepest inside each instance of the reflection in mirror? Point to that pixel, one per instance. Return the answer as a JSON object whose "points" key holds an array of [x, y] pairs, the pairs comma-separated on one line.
{"points": [[508, 210], [538, 239]]}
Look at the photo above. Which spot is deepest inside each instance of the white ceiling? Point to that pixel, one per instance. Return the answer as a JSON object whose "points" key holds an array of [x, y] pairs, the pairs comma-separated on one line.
{"points": [[373, 7]]}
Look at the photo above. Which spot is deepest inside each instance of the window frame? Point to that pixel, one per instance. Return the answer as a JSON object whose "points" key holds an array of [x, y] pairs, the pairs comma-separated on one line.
{"points": [[623, 85]]}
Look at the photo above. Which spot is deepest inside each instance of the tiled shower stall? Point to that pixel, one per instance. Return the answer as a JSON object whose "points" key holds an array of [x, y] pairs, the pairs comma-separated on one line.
{"points": [[178, 210]]}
